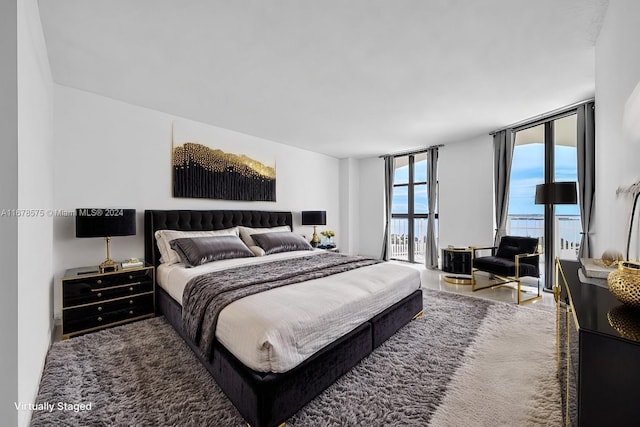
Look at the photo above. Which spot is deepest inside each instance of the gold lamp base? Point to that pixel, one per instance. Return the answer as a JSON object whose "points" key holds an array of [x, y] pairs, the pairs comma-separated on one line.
{"points": [[315, 240], [108, 265]]}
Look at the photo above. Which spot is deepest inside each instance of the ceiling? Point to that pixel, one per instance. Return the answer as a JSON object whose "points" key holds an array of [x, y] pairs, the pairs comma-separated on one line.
{"points": [[347, 78]]}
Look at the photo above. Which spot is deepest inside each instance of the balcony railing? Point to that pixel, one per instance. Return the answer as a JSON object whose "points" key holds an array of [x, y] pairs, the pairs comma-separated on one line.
{"points": [[567, 229], [400, 238]]}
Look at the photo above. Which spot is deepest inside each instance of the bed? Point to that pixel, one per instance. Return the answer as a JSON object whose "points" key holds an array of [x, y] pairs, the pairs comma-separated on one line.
{"points": [[267, 394]]}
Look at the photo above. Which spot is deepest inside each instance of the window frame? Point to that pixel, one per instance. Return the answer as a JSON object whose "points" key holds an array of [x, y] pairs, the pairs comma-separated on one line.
{"points": [[411, 215]]}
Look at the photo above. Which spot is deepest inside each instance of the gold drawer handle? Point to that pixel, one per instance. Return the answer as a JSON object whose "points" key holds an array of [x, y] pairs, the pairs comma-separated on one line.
{"points": [[130, 276], [99, 308], [99, 282], [131, 289], [130, 311], [99, 319], [130, 301], [99, 294]]}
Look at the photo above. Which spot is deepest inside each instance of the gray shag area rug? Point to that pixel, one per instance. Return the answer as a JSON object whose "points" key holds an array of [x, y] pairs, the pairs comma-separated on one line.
{"points": [[466, 362]]}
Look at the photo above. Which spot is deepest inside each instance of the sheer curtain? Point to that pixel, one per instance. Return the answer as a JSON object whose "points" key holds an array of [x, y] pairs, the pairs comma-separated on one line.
{"points": [[586, 172], [388, 196], [503, 142], [431, 250]]}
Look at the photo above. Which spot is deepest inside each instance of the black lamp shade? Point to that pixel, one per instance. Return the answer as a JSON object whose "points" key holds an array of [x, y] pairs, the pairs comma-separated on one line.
{"points": [[556, 193], [92, 222], [314, 217]]}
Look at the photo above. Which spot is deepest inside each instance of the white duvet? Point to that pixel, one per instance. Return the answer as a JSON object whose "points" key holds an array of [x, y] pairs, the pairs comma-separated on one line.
{"points": [[276, 330]]}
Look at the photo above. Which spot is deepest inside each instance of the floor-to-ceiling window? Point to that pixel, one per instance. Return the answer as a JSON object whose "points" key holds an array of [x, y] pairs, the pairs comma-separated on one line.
{"points": [[545, 152], [410, 208]]}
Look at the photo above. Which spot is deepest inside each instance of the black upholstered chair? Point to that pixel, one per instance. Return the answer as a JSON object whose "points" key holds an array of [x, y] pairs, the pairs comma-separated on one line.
{"points": [[516, 257]]}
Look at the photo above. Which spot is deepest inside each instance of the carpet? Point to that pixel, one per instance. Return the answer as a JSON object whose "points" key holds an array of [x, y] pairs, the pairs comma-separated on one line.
{"points": [[466, 362]]}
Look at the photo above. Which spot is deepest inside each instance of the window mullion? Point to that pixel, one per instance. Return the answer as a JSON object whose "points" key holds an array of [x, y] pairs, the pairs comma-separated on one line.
{"points": [[411, 208]]}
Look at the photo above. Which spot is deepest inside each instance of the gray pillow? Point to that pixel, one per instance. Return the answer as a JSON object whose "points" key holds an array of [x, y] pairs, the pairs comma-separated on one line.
{"points": [[281, 241], [196, 251]]}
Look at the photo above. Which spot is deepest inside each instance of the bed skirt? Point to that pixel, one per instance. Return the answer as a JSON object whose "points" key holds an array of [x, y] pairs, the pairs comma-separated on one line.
{"points": [[268, 399]]}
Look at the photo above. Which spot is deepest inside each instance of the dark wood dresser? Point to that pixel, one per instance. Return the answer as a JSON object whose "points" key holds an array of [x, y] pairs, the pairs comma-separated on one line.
{"points": [[93, 300], [598, 353]]}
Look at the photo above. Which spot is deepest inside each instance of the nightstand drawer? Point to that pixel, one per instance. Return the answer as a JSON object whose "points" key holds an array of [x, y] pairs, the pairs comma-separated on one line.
{"points": [[102, 314], [87, 290]]}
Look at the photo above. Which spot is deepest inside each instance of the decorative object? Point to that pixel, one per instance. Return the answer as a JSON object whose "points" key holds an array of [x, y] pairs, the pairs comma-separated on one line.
{"points": [[550, 194], [328, 235], [314, 218], [465, 337], [611, 257], [598, 268], [624, 283], [214, 172], [625, 320], [105, 223]]}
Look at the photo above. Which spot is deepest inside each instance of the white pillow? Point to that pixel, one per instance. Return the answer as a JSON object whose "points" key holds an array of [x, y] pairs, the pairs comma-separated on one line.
{"points": [[164, 238], [246, 232], [257, 250]]}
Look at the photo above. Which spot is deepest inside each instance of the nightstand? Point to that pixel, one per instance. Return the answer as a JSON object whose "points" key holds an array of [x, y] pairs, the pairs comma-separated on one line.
{"points": [[92, 300]]}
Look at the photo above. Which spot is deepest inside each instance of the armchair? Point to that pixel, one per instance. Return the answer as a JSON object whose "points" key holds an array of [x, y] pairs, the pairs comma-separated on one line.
{"points": [[515, 257]]}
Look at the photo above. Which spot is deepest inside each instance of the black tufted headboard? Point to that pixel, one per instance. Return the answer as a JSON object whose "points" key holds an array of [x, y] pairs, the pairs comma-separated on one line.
{"points": [[188, 220]]}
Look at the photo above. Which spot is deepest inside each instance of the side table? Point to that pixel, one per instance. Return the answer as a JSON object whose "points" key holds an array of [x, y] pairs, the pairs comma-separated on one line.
{"points": [[457, 261]]}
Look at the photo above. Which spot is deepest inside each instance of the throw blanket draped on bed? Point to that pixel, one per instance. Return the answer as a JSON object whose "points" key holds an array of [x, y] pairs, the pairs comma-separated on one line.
{"points": [[205, 296]]}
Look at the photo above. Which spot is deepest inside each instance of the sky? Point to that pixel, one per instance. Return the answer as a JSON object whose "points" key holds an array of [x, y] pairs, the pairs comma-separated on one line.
{"points": [[527, 171]]}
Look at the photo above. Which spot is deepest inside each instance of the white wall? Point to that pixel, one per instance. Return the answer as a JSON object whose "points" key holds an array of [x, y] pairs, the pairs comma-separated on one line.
{"points": [[113, 154], [371, 206], [8, 224], [35, 191], [617, 157], [465, 176], [349, 206]]}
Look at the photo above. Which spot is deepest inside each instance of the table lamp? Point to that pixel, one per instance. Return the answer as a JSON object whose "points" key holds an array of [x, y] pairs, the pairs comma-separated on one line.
{"points": [[314, 218], [556, 193], [106, 223]]}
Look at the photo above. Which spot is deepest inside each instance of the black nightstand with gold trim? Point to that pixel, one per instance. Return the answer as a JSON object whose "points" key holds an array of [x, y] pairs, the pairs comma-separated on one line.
{"points": [[92, 300]]}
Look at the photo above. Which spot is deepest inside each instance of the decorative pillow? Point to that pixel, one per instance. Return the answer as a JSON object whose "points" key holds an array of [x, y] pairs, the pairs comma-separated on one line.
{"points": [[281, 241], [164, 238], [246, 232], [201, 250], [257, 250]]}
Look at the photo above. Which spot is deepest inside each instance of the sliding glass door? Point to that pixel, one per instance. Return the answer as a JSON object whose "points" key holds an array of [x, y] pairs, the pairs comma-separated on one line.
{"points": [[543, 153], [410, 208]]}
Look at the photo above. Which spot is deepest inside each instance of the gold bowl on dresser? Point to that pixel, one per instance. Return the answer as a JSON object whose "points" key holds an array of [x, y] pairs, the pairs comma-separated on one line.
{"points": [[625, 320], [624, 283]]}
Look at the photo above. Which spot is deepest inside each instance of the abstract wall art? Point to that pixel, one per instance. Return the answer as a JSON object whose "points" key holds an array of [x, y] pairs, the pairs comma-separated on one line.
{"points": [[202, 171]]}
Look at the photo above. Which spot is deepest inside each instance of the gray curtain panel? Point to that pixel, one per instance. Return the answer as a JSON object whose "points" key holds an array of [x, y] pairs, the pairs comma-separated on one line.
{"points": [[431, 250], [388, 196], [503, 142], [586, 173]]}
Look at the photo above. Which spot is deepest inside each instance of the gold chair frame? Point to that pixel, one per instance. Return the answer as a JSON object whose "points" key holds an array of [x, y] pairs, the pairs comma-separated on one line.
{"points": [[505, 280]]}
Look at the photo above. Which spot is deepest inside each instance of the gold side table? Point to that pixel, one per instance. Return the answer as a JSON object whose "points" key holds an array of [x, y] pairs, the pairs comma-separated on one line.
{"points": [[457, 261]]}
